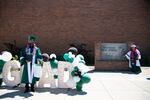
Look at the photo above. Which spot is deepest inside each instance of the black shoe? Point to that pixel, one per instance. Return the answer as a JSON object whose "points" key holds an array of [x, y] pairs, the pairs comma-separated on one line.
{"points": [[1, 81], [26, 90], [32, 88]]}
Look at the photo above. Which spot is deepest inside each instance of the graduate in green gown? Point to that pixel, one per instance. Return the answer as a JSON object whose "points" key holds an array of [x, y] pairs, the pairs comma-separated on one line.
{"points": [[30, 56]]}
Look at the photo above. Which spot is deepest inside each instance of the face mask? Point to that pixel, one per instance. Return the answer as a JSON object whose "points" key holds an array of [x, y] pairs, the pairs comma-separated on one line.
{"points": [[31, 45]]}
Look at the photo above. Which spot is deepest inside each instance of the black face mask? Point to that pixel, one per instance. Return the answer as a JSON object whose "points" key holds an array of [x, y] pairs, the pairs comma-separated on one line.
{"points": [[31, 45], [52, 59], [45, 59]]}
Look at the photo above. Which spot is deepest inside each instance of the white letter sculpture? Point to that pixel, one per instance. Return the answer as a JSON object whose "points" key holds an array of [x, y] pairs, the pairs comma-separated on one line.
{"points": [[61, 66], [47, 76], [11, 67]]}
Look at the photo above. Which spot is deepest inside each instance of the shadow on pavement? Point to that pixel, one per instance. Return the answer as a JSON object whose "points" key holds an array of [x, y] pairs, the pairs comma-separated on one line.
{"points": [[71, 92], [148, 78], [17, 92], [129, 72], [122, 72]]}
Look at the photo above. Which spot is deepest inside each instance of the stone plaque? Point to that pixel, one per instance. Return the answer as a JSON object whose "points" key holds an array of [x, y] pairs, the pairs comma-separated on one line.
{"points": [[113, 51]]}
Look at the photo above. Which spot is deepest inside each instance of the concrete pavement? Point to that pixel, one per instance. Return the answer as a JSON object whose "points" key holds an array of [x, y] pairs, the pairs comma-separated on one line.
{"points": [[104, 86]]}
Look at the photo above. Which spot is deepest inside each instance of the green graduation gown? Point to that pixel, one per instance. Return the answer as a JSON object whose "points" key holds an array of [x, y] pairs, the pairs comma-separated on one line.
{"points": [[38, 57]]}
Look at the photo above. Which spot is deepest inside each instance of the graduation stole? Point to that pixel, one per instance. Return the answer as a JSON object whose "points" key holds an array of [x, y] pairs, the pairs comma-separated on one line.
{"points": [[133, 56], [31, 51]]}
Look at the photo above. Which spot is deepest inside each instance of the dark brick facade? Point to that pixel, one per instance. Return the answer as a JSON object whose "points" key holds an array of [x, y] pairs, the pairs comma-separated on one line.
{"points": [[61, 22]]}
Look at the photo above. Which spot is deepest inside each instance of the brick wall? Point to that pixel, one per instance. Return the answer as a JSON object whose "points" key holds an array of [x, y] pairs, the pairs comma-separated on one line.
{"points": [[61, 22]]}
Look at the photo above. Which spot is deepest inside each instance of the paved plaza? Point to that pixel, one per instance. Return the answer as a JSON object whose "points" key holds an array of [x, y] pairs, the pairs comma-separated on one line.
{"points": [[104, 86]]}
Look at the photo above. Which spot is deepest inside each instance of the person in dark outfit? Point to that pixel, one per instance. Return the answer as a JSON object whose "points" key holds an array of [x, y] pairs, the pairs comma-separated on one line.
{"points": [[30, 57], [134, 56]]}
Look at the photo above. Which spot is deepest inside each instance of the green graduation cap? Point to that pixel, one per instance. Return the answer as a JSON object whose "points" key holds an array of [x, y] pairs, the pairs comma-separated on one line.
{"points": [[32, 37]]}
